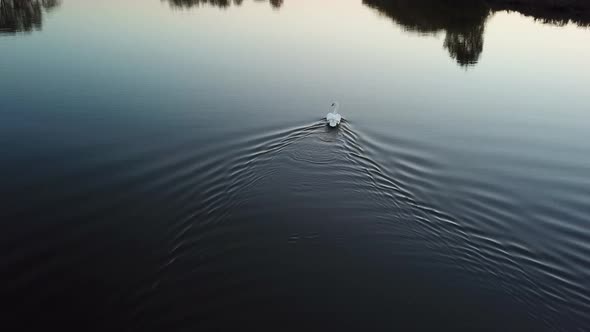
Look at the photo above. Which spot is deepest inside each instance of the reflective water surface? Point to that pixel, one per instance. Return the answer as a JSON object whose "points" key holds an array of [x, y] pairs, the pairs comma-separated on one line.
{"points": [[165, 166]]}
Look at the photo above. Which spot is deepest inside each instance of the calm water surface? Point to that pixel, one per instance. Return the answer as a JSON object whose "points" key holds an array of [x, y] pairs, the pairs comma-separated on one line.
{"points": [[164, 166]]}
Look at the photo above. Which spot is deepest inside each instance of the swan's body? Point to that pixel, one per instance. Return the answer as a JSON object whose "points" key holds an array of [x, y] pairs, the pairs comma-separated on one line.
{"points": [[333, 117]]}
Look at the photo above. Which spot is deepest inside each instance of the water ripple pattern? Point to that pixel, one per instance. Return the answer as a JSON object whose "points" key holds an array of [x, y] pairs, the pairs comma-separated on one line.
{"points": [[188, 234]]}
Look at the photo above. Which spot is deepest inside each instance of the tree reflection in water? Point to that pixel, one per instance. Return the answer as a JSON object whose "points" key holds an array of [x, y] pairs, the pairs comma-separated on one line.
{"points": [[465, 46], [23, 15], [217, 3], [463, 21]]}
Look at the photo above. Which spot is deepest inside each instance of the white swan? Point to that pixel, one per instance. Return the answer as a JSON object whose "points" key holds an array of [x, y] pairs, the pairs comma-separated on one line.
{"points": [[333, 117]]}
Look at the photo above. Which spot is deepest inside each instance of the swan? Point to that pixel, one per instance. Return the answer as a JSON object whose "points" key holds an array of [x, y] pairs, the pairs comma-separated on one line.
{"points": [[333, 117]]}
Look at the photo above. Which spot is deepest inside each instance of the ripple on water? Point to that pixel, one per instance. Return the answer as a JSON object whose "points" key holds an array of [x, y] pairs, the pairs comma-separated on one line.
{"points": [[515, 220], [242, 222]]}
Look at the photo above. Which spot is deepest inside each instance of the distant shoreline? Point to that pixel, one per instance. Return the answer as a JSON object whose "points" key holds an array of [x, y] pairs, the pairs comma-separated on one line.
{"points": [[546, 4], [549, 11]]}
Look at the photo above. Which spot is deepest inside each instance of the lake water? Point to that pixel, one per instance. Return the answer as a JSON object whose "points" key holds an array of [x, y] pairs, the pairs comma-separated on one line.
{"points": [[165, 166]]}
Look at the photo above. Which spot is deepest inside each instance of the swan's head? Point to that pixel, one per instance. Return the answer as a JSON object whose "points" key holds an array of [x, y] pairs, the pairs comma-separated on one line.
{"points": [[334, 107]]}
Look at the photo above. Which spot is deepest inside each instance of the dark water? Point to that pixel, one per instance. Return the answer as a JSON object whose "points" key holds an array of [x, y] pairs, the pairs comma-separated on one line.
{"points": [[164, 166]]}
